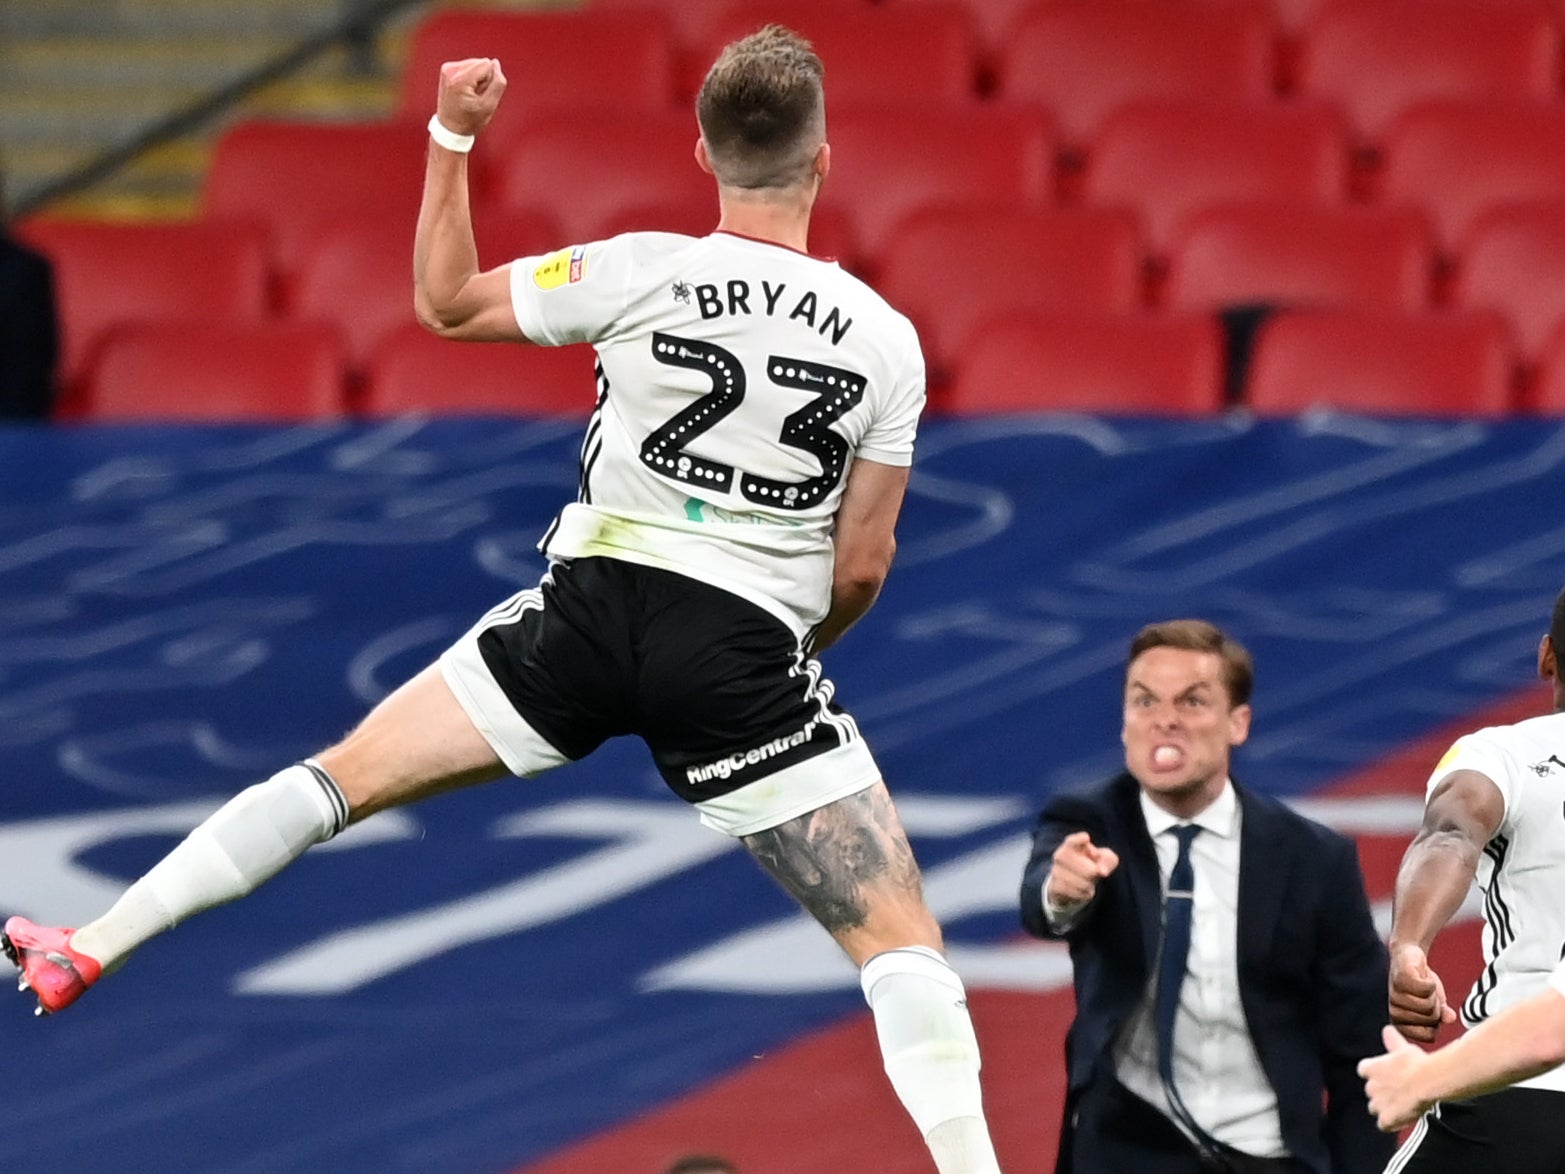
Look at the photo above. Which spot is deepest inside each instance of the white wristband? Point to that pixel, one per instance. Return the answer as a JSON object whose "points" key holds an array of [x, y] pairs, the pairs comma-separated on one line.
{"points": [[449, 139]]}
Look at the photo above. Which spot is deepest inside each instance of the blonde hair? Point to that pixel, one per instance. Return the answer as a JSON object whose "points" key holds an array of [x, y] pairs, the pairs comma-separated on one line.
{"points": [[762, 110]]}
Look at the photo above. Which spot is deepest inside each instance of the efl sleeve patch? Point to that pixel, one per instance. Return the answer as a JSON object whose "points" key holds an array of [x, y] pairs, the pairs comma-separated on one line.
{"points": [[1482, 754], [574, 294], [563, 267], [1449, 758]]}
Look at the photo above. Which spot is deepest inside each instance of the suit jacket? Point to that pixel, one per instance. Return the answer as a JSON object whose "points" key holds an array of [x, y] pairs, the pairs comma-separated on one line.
{"points": [[1312, 969]]}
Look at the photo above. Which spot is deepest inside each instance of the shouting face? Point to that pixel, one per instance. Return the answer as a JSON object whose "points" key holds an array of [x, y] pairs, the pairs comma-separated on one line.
{"points": [[1180, 726]]}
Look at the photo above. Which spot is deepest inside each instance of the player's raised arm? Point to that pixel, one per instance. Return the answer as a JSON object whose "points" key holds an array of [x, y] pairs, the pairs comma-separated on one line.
{"points": [[450, 295]]}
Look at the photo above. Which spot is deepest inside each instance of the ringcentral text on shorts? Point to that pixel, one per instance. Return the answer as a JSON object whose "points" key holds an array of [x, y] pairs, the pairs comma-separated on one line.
{"points": [[725, 767]]}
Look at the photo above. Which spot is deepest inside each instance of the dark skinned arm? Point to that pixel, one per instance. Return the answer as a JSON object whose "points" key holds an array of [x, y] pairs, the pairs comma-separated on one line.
{"points": [[1462, 815]]}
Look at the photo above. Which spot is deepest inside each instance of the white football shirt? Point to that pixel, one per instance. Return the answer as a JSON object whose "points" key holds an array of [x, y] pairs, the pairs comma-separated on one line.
{"points": [[1522, 872], [737, 380]]}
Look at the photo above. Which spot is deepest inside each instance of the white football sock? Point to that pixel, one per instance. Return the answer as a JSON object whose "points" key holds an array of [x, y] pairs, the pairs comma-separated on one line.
{"points": [[931, 1054], [248, 840]]}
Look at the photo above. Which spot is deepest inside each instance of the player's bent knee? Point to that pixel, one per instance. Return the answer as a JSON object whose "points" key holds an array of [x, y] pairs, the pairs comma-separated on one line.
{"points": [[926, 1035]]}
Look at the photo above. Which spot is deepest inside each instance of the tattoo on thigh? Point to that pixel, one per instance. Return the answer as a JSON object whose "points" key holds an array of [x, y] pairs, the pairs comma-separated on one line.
{"points": [[831, 858]]}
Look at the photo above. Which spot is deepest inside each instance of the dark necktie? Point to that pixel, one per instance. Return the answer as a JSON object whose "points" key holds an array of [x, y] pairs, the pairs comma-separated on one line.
{"points": [[1171, 975]]}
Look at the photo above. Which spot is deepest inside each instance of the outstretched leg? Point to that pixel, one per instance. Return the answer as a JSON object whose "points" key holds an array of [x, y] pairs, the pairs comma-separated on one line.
{"points": [[850, 865], [415, 743]]}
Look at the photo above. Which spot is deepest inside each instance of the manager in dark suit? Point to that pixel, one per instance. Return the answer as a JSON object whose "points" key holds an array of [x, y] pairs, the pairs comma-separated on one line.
{"points": [[1227, 971]]}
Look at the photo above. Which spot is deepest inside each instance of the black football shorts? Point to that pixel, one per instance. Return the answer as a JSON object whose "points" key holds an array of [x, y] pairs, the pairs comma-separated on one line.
{"points": [[739, 719]]}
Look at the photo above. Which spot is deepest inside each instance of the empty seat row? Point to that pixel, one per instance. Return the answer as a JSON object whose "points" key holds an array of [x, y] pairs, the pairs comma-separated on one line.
{"points": [[354, 272], [189, 370], [1361, 362], [1370, 59], [1079, 60], [1139, 363], [947, 268], [593, 174], [995, 19], [1192, 192]]}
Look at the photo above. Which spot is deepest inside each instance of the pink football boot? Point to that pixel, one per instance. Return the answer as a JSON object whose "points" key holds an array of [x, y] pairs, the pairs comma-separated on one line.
{"points": [[50, 969]]}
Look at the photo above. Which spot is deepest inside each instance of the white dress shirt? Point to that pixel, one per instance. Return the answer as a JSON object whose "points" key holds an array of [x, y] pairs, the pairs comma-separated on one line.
{"points": [[1216, 1068]]}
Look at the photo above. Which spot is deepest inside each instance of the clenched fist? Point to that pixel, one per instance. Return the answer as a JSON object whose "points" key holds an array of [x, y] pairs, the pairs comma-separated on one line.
{"points": [[1079, 865], [1418, 1005], [469, 94]]}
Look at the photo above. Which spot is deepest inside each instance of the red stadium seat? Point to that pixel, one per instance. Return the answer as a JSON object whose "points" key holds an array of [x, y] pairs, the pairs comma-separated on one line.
{"points": [[1169, 160], [504, 236], [584, 169], [687, 19], [1548, 390], [291, 175], [693, 24], [357, 272], [1454, 162], [200, 371], [1514, 264], [1301, 255], [831, 238], [108, 274], [1143, 364], [692, 20], [886, 164], [1082, 59], [553, 61], [992, 18], [414, 371], [882, 55], [1376, 58], [949, 270], [1293, 17], [1434, 364]]}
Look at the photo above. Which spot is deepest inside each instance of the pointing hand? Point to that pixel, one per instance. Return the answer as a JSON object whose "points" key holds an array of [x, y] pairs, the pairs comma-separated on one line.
{"points": [[1079, 865]]}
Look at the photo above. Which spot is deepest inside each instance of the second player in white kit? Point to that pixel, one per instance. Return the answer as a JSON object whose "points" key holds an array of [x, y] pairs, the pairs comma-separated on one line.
{"points": [[1495, 814]]}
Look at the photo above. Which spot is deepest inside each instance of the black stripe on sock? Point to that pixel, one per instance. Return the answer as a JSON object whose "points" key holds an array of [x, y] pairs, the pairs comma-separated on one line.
{"points": [[334, 793]]}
